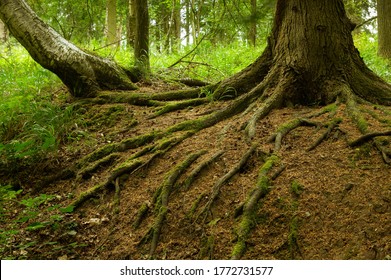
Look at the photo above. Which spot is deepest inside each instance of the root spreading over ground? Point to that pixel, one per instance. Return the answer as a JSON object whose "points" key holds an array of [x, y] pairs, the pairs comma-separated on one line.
{"points": [[185, 176]]}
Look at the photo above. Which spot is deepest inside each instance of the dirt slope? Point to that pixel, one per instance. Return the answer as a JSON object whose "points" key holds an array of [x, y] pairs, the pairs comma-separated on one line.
{"points": [[332, 202]]}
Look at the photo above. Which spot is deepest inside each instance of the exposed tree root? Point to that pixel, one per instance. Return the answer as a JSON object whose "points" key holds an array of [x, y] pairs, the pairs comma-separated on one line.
{"points": [[267, 106], [165, 191], [249, 207], [175, 106], [367, 137], [330, 127], [193, 175], [250, 102], [126, 168], [219, 184], [193, 82], [286, 128], [116, 201]]}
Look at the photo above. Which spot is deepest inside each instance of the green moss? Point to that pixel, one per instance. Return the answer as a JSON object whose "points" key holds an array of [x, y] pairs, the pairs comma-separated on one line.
{"points": [[239, 249], [293, 235], [329, 108], [362, 124], [195, 205], [288, 126], [98, 154], [138, 141], [245, 226], [296, 188], [128, 165], [357, 116], [91, 168], [248, 221], [362, 152], [268, 165]]}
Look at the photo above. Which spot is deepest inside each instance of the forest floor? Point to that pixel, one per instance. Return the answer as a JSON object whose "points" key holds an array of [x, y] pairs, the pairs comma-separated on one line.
{"points": [[333, 202]]}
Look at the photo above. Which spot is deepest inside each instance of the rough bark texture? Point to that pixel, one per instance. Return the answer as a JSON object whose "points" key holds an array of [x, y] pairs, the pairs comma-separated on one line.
{"points": [[311, 51], [3, 32], [83, 73], [384, 25], [111, 21], [141, 44], [252, 36], [131, 23]]}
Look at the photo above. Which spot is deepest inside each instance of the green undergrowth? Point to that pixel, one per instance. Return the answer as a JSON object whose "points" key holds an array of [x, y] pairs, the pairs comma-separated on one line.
{"points": [[32, 123], [212, 63], [367, 46], [31, 215], [207, 62]]}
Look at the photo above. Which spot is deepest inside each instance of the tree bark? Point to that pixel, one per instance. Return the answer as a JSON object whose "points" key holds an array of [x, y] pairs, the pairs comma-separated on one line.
{"points": [[141, 46], [310, 57], [384, 26], [3, 32], [177, 23], [111, 21], [253, 23], [131, 23], [83, 73]]}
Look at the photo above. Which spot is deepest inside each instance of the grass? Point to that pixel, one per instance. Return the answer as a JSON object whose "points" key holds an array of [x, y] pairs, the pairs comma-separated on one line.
{"points": [[207, 62], [31, 123]]}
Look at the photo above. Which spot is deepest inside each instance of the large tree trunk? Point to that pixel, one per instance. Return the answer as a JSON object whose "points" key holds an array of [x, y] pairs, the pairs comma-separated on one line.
{"points": [[83, 73], [310, 56], [384, 25]]}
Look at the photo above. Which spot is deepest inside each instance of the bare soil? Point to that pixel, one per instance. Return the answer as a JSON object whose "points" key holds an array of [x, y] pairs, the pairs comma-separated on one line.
{"points": [[333, 202]]}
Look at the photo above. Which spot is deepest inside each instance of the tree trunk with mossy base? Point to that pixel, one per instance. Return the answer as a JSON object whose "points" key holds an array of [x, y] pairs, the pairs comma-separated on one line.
{"points": [[310, 59], [83, 73]]}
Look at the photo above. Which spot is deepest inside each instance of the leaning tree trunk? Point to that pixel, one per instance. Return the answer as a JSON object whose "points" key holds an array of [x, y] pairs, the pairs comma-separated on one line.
{"points": [[310, 57], [83, 73]]}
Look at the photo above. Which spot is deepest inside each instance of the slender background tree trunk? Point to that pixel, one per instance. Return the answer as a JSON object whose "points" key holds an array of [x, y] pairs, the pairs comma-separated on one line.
{"points": [[253, 23], [111, 21], [131, 24], [384, 28], [141, 46]]}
